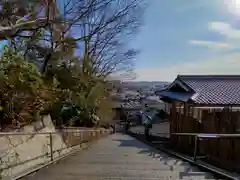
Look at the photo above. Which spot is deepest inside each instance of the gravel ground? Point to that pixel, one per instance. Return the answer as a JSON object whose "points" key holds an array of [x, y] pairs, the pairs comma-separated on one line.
{"points": [[119, 157]]}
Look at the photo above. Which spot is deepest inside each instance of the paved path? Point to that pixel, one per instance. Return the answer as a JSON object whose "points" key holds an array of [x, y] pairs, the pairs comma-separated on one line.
{"points": [[119, 157], [156, 128]]}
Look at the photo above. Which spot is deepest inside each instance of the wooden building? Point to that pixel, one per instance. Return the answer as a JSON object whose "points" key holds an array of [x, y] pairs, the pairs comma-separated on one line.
{"points": [[206, 104]]}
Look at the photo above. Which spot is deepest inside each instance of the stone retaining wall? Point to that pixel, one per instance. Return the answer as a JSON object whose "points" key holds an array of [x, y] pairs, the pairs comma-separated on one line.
{"points": [[21, 153]]}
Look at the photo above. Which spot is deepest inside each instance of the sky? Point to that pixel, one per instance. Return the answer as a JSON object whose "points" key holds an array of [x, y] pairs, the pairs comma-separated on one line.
{"points": [[188, 37]]}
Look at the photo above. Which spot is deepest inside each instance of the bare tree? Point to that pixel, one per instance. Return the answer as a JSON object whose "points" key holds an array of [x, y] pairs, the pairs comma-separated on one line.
{"points": [[51, 30], [23, 22], [53, 41], [19, 16], [109, 29]]}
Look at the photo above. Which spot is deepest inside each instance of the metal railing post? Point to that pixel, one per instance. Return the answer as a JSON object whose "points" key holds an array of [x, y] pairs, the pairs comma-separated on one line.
{"points": [[51, 146], [195, 148]]}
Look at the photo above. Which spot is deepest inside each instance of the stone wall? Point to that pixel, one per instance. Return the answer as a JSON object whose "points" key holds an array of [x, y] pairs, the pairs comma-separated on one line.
{"points": [[22, 152]]}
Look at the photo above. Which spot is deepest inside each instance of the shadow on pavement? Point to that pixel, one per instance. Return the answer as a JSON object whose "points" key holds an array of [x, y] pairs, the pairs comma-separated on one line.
{"points": [[131, 143], [185, 169]]}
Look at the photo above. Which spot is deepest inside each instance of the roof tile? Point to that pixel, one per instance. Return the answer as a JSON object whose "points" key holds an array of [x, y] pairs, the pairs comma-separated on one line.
{"points": [[218, 89]]}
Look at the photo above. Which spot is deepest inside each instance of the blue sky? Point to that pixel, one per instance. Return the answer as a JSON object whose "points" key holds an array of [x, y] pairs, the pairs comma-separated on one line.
{"points": [[188, 37], [3, 43]]}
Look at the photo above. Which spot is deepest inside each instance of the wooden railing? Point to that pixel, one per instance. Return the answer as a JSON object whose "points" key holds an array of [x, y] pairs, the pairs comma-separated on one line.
{"points": [[199, 151]]}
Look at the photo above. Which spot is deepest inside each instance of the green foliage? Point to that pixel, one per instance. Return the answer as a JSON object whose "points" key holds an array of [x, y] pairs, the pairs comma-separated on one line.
{"points": [[71, 96], [38, 33], [72, 89], [20, 89]]}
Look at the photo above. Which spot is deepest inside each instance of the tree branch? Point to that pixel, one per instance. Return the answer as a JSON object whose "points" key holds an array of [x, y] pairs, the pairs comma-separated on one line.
{"points": [[13, 31]]}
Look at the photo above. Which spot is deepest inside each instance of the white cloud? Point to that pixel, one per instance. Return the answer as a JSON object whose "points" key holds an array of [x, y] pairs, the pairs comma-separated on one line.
{"points": [[210, 44], [231, 37], [228, 64], [224, 29], [233, 6]]}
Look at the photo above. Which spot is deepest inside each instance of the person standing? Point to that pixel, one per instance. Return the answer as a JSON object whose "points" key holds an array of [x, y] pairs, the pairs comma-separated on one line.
{"points": [[113, 128], [146, 132], [147, 121], [127, 124]]}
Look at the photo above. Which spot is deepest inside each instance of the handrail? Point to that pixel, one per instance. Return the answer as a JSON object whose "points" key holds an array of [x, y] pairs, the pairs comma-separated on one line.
{"points": [[202, 135], [45, 133], [74, 138], [194, 158]]}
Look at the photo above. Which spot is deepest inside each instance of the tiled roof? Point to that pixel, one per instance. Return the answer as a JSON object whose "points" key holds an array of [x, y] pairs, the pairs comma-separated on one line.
{"points": [[180, 96], [219, 89]]}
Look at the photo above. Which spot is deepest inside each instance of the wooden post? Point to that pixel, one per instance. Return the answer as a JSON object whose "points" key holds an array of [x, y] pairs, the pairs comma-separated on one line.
{"points": [[51, 146], [173, 125], [195, 149]]}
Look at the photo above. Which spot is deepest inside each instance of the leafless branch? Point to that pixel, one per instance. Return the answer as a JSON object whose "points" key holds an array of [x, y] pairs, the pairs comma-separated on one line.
{"points": [[100, 29]]}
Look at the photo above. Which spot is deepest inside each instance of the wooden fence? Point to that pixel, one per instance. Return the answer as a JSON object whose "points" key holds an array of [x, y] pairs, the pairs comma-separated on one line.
{"points": [[222, 152]]}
